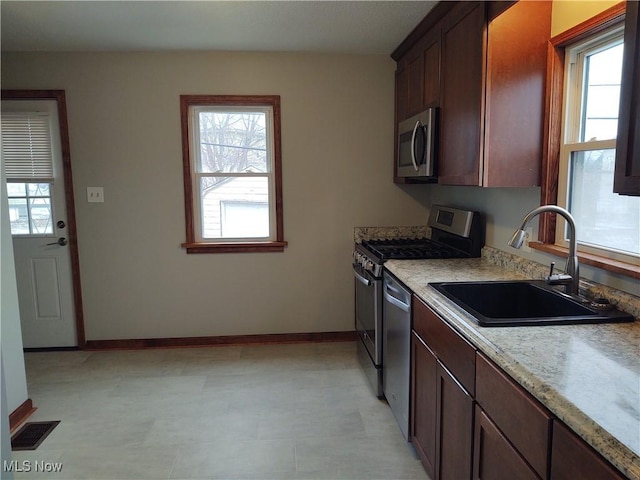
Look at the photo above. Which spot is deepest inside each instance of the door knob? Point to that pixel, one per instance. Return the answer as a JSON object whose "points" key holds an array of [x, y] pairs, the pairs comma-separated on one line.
{"points": [[61, 241], [61, 224]]}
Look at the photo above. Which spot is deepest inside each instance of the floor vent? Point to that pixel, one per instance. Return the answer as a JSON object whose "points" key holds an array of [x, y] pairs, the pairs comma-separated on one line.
{"points": [[32, 434]]}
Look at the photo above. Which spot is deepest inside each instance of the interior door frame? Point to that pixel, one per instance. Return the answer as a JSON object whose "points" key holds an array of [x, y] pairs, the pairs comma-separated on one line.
{"points": [[60, 98]]}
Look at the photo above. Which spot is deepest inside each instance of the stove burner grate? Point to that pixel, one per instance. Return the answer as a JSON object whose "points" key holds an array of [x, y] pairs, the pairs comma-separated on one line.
{"points": [[410, 248]]}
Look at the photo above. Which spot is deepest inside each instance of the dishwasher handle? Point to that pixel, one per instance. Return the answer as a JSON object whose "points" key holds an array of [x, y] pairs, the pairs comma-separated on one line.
{"points": [[405, 307]]}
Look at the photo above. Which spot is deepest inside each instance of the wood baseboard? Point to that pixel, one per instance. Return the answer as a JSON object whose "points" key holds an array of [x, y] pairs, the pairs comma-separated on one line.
{"points": [[20, 414], [141, 343]]}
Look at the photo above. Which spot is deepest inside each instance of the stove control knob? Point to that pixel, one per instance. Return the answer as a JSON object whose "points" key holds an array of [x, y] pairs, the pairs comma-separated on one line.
{"points": [[368, 265]]}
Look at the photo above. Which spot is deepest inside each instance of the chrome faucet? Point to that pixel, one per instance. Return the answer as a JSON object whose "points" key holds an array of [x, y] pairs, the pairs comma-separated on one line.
{"points": [[572, 279]]}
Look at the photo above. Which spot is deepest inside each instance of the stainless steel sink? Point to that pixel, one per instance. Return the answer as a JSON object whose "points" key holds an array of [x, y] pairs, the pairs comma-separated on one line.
{"points": [[519, 303]]}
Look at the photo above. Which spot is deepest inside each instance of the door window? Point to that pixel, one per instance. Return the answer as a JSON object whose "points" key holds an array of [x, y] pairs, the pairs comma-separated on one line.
{"points": [[30, 208], [28, 162]]}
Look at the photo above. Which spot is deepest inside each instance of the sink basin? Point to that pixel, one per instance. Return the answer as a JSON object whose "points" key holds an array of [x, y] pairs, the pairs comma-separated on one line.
{"points": [[518, 303]]}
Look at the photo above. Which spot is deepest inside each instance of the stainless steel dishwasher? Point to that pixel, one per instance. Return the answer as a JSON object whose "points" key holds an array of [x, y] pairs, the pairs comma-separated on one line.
{"points": [[396, 349]]}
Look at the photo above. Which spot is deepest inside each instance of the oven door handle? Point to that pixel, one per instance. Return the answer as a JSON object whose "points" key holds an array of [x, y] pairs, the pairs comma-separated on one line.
{"points": [[360, 278], [394, 301]]}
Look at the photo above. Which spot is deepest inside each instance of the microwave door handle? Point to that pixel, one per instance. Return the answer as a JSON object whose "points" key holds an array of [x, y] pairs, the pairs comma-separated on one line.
{"points": [[413, 145], [431, 133]]}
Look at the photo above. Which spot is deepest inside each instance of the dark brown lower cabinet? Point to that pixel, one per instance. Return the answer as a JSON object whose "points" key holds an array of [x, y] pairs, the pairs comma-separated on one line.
{"points": [[454, 428], [572, 458], [494, 458], [523, 421], [470, 419], [442, 405], [423, 403], [442, 417]]}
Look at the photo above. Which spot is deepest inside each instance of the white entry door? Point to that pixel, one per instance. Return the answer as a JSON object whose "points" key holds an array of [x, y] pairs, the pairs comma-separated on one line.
{"points": [[38, 215]]}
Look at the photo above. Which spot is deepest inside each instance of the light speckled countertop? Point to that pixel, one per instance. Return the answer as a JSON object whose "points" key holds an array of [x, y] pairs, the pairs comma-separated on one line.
{"points": [[586, 375]]}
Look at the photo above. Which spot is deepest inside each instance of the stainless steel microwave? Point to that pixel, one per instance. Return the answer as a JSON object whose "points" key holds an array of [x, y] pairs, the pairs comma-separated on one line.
{"points": [[416, 145]]}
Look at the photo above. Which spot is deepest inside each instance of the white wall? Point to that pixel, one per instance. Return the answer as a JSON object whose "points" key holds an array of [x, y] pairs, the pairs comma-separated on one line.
{"points": [[337, 144]]}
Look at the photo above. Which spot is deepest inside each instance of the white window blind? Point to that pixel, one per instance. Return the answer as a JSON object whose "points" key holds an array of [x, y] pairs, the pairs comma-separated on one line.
{"points": [[26, 147]]}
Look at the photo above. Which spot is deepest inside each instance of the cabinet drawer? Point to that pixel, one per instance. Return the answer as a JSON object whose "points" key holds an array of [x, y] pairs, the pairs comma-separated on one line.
{"points": [[494, 458], [526, 423], [572, 458], [455, 353]]}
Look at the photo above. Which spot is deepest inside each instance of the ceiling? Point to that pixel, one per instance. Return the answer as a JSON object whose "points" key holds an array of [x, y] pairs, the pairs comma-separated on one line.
{"points": [[364, 27]]}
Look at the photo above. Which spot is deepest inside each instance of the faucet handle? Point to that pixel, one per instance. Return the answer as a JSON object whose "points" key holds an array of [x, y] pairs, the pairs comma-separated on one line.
{"points": [[558, 278]]}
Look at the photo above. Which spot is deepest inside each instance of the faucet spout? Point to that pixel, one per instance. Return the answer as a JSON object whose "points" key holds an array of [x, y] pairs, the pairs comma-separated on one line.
{"points": [[572, 267]]}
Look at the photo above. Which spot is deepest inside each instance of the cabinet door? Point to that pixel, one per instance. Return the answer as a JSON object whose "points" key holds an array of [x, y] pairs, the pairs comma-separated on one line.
{"points": [[493, 456], [402, 91], [415, 75], [515, 94], [454, 428], [431, 73], [524, 421], [410, 84], [572, 458], [627, 172], [461, 95], [423, 403]]}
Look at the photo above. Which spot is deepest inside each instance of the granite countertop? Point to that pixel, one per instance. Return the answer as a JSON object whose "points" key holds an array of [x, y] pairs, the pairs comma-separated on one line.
{"points": [[586, 375]]}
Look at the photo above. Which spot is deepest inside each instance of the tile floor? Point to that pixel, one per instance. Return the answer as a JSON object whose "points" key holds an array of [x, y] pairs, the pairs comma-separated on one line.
{"points": [[301, 411]]}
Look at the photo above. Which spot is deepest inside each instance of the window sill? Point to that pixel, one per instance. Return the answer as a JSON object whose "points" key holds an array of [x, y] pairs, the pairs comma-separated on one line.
{"points": [[615, 266], [251, 247]]}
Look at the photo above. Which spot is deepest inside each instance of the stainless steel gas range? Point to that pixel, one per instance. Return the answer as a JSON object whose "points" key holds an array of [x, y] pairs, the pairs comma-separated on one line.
{"points": [[384, 342]]}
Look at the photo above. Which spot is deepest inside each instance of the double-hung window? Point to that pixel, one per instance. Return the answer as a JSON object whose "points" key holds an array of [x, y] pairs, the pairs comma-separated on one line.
{"points": [[232, 173], [608, 223]]}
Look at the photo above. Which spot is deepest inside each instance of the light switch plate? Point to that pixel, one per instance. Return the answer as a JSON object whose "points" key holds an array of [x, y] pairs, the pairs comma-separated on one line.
{"points": [[95, 194]]}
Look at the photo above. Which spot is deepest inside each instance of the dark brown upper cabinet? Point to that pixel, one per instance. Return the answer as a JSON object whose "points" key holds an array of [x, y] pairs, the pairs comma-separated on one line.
{"points": [[493, 91], [418, 77], [484, 65], [517, 48], [627, 170], [461, 95]]}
